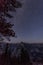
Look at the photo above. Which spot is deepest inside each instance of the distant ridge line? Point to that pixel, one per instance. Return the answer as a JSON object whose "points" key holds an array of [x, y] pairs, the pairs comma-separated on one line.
{"points": [[19, 43]]}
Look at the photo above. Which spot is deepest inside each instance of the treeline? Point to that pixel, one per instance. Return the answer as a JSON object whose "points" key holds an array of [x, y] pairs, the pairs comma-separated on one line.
{"points": [[22, 59]]}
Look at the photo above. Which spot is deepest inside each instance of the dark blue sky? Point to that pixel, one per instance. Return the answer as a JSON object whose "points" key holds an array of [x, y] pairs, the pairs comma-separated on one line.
{"points": [[29, 22]]}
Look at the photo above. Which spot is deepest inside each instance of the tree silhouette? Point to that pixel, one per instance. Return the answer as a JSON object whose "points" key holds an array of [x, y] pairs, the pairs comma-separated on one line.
{"points": [[24, 58], [6, 56], [5, 7]]}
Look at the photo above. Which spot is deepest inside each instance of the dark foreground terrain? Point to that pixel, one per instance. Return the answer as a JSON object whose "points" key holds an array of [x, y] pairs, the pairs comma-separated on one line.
{"points": [[21, 54]]}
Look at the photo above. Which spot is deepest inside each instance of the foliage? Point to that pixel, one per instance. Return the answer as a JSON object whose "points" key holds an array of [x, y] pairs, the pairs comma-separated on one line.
{"points": [[5, 7], [23, 59]]}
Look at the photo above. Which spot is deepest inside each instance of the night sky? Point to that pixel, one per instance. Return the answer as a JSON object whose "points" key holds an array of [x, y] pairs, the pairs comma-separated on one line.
{"points": [[28, 22]]}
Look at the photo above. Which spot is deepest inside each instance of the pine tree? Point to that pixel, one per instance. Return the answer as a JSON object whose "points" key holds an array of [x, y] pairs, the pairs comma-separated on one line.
{"points": [[24, 58], [5, 7]]}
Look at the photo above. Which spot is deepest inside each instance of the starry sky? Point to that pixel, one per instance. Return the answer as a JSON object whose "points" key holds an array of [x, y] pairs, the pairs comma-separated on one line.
{"points": [[28, 22]]}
